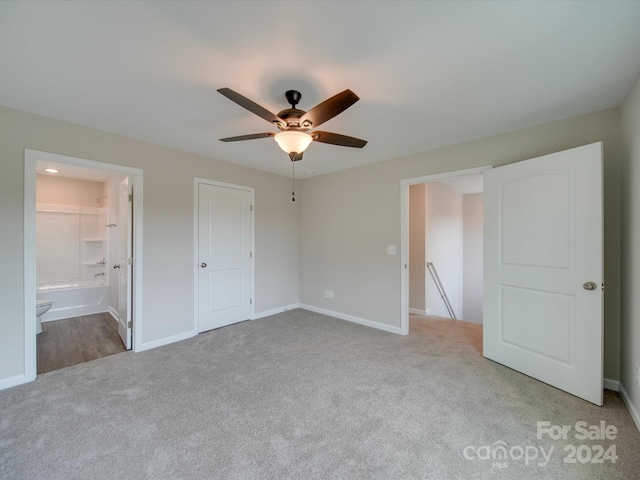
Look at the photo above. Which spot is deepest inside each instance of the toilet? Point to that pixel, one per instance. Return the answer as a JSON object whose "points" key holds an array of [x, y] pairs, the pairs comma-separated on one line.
{"points": [[42, 306]]}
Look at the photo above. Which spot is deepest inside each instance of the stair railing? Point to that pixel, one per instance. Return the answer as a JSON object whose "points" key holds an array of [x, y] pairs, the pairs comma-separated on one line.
{"points": [[436, 278]]}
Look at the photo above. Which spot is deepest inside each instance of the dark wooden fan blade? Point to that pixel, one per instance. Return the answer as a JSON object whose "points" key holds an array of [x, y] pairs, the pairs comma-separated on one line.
{"points": [[247, 137], [295, 157], [329, 108], [250, 105], [337, 139]]}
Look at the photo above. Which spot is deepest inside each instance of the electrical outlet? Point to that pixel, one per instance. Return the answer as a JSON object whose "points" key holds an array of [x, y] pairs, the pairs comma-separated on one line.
{"points": [[328, 293]]}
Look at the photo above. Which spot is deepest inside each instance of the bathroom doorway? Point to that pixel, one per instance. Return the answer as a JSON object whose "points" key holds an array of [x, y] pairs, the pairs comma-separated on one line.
{"points": [[74, 230]]}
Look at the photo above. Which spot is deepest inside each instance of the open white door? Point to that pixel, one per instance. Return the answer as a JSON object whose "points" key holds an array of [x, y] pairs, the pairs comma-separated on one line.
{"points": [[225, 267], [125, 236], [543, 269]]}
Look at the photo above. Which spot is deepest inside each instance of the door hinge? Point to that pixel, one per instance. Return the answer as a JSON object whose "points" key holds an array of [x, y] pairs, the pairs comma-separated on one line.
{"points": [[251, 208], [129, 324], [130, 261], [251, 301], [250, 254], [131, 197]]}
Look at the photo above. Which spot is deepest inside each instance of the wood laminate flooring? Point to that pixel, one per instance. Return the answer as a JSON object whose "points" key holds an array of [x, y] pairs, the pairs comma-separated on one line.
{"points": [[67, 342]]}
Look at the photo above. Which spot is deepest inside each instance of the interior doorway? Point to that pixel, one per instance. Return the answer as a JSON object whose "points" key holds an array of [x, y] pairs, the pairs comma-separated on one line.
{"points": [[445, 248], [542, 268], [72, 260]]}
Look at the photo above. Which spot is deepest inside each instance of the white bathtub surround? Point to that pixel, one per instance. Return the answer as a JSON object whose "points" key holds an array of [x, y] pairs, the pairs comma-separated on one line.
{"points": [[72, 299], [71, 251], [71, 242]]}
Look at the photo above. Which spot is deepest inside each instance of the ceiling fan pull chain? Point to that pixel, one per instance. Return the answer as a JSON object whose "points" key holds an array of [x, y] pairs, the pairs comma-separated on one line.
{"points": [[293, 180]]}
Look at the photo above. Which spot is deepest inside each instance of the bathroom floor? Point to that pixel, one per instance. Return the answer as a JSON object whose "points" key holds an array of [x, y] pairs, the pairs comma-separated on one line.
{"points": [[67, 342]]}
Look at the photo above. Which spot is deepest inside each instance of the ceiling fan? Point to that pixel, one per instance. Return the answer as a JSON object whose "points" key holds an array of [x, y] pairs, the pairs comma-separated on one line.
{"points": [[295, 125]]}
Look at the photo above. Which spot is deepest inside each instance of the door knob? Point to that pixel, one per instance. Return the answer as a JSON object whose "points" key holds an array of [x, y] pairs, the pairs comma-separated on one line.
{"points": [[116, 266], [203, 265], [589, 286]]}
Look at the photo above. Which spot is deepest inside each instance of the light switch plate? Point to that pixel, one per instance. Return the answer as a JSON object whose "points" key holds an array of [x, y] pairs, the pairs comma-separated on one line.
{"points": [[392, 250]]}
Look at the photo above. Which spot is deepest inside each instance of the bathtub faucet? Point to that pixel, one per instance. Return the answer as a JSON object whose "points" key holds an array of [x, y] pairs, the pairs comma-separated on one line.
{"points": [[101, 274]]}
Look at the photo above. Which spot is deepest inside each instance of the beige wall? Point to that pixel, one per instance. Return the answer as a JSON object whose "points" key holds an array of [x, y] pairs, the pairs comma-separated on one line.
{"points": [[443, 214], [472, 289], [348, 218], [417, 248], [168, 225], [630, 348]]}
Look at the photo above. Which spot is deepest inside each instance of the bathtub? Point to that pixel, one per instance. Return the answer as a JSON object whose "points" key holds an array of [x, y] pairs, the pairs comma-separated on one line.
{"points": [[75, 298]]}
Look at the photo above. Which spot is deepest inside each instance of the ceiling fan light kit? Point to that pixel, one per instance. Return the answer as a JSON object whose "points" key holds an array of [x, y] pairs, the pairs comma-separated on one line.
{"points": [[295, 125], [293, 141]]}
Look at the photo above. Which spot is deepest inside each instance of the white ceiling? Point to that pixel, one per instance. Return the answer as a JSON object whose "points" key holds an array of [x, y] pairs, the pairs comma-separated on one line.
{"points": [[428, 74], [73, 171]]}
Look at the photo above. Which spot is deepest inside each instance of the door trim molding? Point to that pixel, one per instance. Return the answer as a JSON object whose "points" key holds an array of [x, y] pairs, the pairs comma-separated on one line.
{"points": [[404, 233], [197, 181], [31, 157]]}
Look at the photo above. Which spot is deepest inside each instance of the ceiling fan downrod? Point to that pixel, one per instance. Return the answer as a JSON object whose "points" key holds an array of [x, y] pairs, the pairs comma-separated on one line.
{"points": [[293, 97]]}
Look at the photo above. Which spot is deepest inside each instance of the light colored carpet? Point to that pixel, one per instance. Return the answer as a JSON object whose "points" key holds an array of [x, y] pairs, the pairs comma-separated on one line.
{"points": [[301, 396]]}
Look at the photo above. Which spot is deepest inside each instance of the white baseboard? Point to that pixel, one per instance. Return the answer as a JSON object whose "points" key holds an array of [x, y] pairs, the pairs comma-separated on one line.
{"points": [[112, 311], [416, 311], [274, 311], [71, 312], [166, 341], [351, 318], [11, 382], [632, 409], [193, 333], [611, 384]]}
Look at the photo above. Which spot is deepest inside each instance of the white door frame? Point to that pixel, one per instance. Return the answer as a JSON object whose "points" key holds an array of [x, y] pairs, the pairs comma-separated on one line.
{"points": [[31, 157], [196, 260], [404, 233]]}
